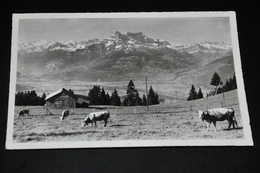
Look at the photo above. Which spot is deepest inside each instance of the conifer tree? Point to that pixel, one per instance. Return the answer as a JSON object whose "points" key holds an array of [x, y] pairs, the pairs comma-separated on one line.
{"points": [[200, 95], [144, 101], [108, 99], [29, 98], [42, 99], [115, 99], [215, 80], [192, 94], [132, 95], [95, 95], [140, 102], [234, 82], [103, 97], [152, 97]]}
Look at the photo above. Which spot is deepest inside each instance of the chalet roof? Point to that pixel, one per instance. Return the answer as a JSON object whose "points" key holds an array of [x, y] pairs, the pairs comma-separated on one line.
{"points": [[62, 90], [80, 98]]}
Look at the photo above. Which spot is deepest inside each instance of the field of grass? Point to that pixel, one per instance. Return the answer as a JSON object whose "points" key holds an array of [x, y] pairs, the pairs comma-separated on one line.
{"points": [[171, 121]]}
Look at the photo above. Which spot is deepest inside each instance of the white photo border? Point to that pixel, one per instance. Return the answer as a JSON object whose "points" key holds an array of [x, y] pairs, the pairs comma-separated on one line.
{"points": [[246, 141]]}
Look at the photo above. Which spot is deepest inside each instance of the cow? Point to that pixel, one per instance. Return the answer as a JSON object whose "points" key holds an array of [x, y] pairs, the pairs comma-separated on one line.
{"points": [[96, 116], [23, 112], [64, 114], [218, 114]]}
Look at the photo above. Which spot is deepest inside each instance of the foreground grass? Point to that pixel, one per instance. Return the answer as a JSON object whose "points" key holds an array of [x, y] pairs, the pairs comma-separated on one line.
{"points": [[177, 120]]}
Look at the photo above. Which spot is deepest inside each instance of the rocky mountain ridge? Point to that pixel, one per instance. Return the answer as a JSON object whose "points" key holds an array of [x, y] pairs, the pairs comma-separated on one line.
{"points": [[121, 56]]}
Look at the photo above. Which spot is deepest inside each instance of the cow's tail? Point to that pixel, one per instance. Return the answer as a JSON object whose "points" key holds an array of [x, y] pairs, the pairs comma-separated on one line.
{"points": [[234, 117]]}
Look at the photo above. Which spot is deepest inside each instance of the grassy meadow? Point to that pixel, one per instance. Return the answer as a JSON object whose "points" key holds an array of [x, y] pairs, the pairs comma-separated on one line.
{"points": [[168, 121]]}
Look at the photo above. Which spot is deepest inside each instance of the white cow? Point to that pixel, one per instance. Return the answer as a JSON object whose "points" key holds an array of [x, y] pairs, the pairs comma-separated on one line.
{"points": [[96, 116], [218, 114], [64, 114], [23, 112]]}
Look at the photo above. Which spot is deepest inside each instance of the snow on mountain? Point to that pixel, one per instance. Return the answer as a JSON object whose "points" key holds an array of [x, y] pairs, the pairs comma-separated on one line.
{"points": [[125, 41], [122, 55], [206, 46], [31, 47], [68, 46]]}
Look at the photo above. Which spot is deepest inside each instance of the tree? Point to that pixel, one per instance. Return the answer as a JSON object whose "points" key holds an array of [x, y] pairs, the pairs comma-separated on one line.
{"points": [[103, 97], [200, 95], [234, 82], [192, 94], [140, 101], [29, 98], [115, 99], [95, 95], [71, 91], [152, 97], [132, 96], [108, 99], [229, 85], [144, 101], [215, 80], [42, 99]]}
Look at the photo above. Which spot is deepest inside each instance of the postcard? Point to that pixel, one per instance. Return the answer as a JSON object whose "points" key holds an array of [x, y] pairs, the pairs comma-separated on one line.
{"points": [[91, 80]]}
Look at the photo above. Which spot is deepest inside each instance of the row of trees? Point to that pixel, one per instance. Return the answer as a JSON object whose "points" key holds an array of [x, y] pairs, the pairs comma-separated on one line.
{"points": [[132, 97], [98, 96], [193, 94], [29, 98], [216, 81]]}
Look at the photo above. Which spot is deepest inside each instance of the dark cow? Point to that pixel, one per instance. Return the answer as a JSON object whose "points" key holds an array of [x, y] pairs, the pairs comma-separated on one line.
{"points": [[218, 114], [96, 116], [64, 114], [23, 112]]}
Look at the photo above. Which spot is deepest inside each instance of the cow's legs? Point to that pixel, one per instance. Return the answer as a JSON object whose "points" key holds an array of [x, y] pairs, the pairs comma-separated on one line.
{"points": [[208, 124], [229, 125], [105, 123], [215, 127], [95, 122], [234, 122]]}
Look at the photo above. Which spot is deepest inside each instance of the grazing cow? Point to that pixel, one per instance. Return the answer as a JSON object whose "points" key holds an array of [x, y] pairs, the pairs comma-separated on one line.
{"points": [[64, 114], [23, 112], [218, 114], [96, 116]]}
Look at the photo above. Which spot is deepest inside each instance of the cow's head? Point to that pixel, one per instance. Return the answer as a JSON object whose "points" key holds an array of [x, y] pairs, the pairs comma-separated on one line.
{"points": [[202, 114], [85, 122]]}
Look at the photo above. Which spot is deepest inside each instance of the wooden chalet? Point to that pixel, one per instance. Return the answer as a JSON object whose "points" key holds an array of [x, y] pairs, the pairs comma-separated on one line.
{"points": [[64, 99]]}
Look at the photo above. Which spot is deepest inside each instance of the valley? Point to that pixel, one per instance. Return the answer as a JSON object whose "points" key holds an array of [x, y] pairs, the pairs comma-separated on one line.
{"points": [[47, 66]]}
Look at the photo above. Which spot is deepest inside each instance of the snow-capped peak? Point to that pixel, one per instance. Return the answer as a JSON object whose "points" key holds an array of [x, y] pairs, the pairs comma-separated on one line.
{"points": [[204, 46]]}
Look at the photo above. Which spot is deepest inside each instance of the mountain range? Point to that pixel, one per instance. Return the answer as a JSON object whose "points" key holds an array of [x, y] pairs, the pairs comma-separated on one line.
{"points": [[124, 56]]}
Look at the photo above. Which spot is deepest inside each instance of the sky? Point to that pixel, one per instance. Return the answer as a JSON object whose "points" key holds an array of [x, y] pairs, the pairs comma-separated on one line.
{"points": [[174, 30]]}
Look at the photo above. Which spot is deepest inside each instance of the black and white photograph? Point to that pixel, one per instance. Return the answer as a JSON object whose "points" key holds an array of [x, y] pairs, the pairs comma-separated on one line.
{"points": [[98, 80]]}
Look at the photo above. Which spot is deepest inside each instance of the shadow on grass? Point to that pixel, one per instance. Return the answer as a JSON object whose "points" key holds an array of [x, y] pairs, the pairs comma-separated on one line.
{"points": [[120, 125], [38, 135], [237, 128]]}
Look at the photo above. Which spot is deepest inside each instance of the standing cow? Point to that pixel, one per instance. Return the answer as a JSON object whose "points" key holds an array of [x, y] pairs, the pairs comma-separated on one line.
{"points": [[64, 114], [23, 112], [96, 116], [218, 114]]}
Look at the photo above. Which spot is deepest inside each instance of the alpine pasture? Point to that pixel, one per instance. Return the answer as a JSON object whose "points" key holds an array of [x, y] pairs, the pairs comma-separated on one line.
{"points": [[166, 121]]}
